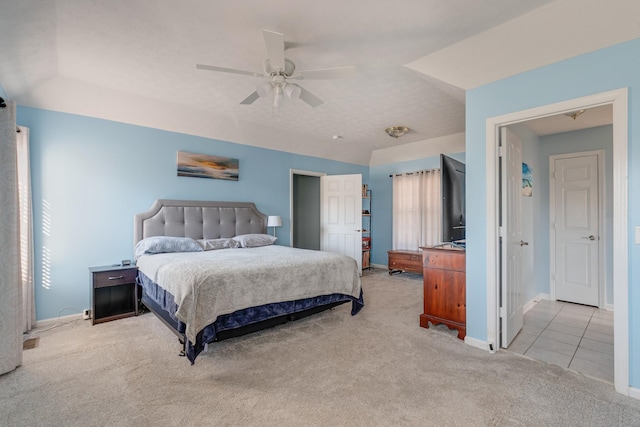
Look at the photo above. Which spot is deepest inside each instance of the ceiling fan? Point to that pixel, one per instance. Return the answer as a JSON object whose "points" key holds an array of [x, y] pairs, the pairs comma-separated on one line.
{"points": [[279, 70]]}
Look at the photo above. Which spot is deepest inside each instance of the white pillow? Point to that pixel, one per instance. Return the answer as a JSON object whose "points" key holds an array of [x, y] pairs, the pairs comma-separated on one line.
{"points": [[213, 244], [165, 244], [255, 240]]}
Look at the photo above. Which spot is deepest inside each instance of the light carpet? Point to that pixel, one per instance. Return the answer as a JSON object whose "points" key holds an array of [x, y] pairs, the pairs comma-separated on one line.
{"points": [[378, 368]]}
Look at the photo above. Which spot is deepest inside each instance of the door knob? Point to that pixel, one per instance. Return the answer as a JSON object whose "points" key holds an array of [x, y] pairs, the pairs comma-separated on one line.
{"points": [[592, 237], [523, 243]]}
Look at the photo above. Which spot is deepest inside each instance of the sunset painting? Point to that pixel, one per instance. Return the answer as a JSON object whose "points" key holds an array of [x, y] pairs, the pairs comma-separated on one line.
{"points": [[206, 166]]}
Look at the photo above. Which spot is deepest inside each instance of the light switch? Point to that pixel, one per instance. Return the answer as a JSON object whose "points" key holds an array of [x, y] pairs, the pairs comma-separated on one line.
{"points": [[637, 235]]}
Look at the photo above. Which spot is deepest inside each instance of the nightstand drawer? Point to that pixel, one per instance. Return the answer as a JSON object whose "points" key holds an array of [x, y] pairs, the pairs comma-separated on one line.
{"points": [[114, 277]]}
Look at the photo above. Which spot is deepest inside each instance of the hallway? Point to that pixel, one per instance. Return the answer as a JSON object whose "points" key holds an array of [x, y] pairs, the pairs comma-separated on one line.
{"points": [[569, 335]]}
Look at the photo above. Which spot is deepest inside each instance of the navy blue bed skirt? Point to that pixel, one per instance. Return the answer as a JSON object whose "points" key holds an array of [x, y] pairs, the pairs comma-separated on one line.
{"points": [[164, 301]]}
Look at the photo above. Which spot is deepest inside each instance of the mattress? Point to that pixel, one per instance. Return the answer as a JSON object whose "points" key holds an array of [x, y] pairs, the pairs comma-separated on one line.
{"points": [[197, 288]]}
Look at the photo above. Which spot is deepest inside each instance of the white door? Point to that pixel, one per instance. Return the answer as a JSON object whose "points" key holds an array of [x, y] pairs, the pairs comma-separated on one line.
{"points": [[342, 215], [576, 226], [511, 235]]}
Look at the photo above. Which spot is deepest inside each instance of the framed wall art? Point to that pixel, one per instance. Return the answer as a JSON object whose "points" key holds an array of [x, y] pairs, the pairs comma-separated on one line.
{"points": [[206, 166], [527, 180]]}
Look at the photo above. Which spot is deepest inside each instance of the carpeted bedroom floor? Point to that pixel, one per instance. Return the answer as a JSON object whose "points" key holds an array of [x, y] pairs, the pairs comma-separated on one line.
{"points": [[378, 368]]}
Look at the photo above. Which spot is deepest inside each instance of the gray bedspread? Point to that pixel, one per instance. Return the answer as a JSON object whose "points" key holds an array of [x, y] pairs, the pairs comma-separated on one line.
{"points": [[208, 284]]}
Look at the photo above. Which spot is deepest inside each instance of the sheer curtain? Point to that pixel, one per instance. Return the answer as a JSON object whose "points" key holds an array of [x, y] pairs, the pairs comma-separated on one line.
{"points": [[26, 228], [416, 209], [11, 319]]}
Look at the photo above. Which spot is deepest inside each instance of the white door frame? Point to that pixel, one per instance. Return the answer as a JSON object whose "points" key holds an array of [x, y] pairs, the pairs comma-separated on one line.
{"points": [[293, 172], [602, 237], [619, 100]]}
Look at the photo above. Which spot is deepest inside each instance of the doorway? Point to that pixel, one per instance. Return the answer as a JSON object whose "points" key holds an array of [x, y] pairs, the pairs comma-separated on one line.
{"points": [[619, 101], [577, 335], [305, 209], [325, 212]]}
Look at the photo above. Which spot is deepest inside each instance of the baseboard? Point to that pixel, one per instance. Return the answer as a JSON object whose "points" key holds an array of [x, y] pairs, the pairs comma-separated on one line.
{"points": [[384, 267], [529, 305], [62, 319], [634, 392], [474, 342]]}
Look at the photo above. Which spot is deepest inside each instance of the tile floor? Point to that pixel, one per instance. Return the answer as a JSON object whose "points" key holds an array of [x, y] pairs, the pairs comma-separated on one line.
{"points": [[573, 336]]}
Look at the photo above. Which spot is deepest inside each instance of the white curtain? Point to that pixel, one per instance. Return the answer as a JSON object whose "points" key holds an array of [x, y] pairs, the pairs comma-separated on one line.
{"points": [[11, 315], [26, 229], [416, 210]]}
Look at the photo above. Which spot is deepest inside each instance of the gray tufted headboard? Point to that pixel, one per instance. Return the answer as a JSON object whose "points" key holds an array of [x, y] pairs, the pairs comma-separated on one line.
{"points": [[198, 219]]}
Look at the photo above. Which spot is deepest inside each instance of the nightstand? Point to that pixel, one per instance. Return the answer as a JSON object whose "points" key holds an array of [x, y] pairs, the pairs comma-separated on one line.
{"points": [[114, 292]]}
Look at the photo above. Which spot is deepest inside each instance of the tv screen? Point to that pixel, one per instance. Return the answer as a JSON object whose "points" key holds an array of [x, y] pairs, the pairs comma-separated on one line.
{"points": [[452, 175]]}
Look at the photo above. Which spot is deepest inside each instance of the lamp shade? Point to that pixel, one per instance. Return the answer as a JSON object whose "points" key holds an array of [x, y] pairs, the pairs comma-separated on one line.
{"points": [[274, 221]]}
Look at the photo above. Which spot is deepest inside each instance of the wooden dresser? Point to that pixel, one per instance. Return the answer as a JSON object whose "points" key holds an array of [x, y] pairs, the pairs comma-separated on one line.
{"points": [[405, 260], [444, 279]]}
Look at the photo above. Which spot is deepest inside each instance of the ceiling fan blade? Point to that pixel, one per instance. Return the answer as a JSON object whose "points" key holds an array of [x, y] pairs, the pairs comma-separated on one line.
{"points": [[326, 73], [228, 70], [250, 99], [275, 49], [310, 98]]}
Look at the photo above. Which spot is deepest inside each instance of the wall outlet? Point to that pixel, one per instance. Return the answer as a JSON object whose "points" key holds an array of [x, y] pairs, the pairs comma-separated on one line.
{"points": [[86, 314]]}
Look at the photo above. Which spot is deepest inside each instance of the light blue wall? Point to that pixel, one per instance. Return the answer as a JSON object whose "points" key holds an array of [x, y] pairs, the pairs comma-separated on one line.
{"points": [[382, 201], [90, 177], [3, 94], [604, 70]]}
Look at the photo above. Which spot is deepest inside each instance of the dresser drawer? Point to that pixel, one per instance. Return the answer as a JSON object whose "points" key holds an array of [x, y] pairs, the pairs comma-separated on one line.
{"points": [[406, 257], [400, 264], [444, 258], [405, 261], [114, 277]]}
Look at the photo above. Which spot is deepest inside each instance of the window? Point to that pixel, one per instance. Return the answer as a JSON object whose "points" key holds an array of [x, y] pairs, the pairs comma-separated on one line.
{"points": [[416, 209]]}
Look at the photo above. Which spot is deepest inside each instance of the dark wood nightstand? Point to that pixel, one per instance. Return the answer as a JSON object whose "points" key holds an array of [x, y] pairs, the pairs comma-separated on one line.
{"points": [[114, 292]]}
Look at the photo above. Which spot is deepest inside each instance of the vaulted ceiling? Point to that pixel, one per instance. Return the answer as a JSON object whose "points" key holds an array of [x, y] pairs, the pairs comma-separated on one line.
{"points": [[134, 61]]}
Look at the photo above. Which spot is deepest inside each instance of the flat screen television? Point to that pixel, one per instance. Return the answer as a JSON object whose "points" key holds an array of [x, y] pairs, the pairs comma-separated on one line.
{"points": [[452, 175]]}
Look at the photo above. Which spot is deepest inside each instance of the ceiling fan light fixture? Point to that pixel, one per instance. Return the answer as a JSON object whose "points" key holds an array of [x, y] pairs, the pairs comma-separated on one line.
{"points": [[292, 91], [278, 69], [396, 131], [264, 89]]}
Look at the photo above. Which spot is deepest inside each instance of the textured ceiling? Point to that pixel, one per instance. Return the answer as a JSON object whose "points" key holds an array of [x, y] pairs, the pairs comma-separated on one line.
{"points": [[134, 61]]}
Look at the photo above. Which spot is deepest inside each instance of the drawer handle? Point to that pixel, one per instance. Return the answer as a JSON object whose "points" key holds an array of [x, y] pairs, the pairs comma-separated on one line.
{"points": [[115, 278]]}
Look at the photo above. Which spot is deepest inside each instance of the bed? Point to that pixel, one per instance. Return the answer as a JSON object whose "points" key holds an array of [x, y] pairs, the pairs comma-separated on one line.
{"points": [[210, 272]]}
